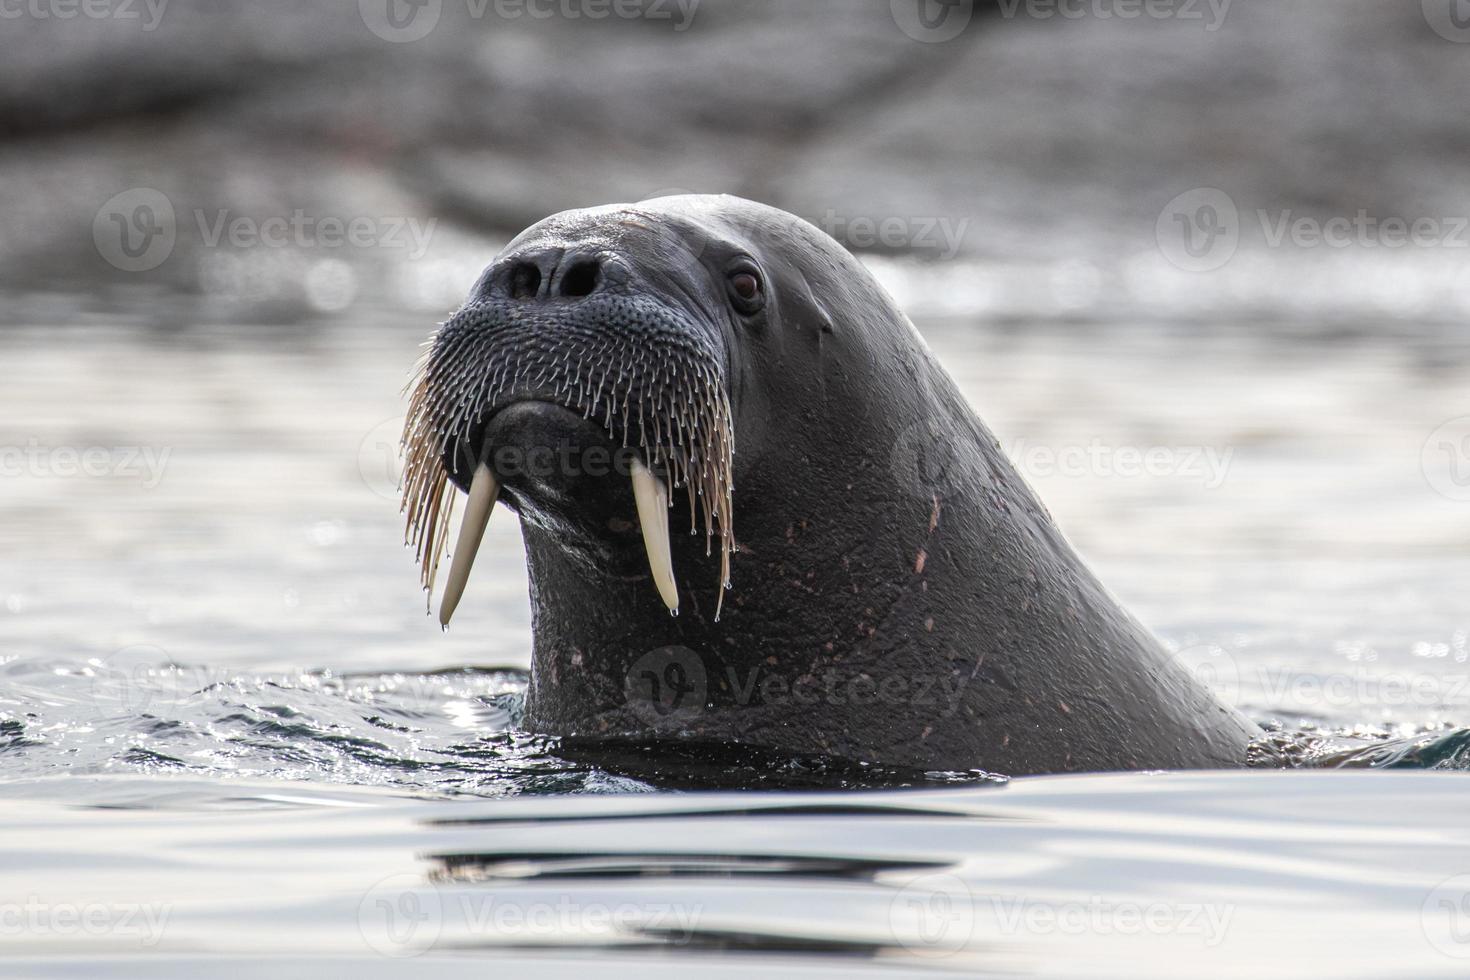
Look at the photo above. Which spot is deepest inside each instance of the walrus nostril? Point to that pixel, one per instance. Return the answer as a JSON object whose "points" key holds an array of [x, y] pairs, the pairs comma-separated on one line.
{"points": [[581, 279], [525, 281]]}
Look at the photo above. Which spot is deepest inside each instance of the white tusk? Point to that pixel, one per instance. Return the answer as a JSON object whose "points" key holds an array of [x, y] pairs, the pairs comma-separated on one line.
{"points": [[652, 498], [483, 490]]}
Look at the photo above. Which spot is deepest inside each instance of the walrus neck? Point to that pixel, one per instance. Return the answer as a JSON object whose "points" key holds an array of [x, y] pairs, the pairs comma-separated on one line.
{"points": [[929, 595], [954, 609]]}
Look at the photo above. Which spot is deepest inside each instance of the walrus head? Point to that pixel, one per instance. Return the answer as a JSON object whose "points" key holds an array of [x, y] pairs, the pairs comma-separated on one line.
{"points": [[603, 345], [876, 607], [576, 359]]}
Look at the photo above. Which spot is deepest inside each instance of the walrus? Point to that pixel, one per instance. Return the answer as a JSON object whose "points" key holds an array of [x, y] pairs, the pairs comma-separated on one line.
{"points": [[864, 575]]}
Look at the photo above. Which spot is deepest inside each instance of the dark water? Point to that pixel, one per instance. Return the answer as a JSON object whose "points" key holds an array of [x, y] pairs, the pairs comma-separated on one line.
{"points": [[231, 741]]}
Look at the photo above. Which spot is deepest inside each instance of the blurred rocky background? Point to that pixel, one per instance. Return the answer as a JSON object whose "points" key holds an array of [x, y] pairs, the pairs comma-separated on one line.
{"points": [[186, 160], [1200, 264]]}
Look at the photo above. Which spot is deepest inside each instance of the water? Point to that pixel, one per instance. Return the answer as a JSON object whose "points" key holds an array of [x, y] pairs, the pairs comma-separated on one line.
{"points": [[1264, 874], [220, 693]]}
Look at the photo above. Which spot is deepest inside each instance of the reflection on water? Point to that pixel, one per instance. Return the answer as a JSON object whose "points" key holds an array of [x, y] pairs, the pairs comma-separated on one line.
{"points": [[1278, 874]]}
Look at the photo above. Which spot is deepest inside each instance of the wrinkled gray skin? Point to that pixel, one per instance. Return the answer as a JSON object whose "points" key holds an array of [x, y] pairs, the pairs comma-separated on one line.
{"points": [[900, 595]]}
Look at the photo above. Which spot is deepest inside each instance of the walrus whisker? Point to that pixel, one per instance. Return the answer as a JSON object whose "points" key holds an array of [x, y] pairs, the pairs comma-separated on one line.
{"points": [[684, 426]]}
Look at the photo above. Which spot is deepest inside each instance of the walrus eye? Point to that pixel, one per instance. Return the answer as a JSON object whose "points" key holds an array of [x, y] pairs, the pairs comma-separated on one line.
{"points": [[746, 289], [746, 285]]}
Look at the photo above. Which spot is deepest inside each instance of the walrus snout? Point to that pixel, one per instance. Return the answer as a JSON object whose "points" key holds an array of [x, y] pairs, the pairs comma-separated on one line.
{"points": [[543, 273], [583, 395]]}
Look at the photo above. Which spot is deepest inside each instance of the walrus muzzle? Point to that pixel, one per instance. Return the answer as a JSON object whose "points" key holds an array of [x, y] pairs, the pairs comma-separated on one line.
{"points": [[649, 378]]}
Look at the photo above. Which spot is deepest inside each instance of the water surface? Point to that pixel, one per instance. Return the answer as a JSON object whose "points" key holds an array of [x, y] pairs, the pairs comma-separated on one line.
{"points": [[220, 693]]}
